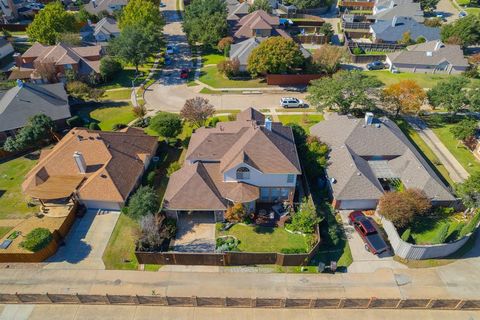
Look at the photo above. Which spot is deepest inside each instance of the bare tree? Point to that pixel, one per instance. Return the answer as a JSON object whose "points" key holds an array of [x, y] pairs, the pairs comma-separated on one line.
{"points": [[328, 58], [46, 70], [197, 110]]}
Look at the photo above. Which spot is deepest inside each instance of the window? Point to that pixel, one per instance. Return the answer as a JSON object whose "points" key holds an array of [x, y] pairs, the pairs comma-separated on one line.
{"points": [[264, 194], [284, 193], [243, 173], [290, 178], [275, 194]]}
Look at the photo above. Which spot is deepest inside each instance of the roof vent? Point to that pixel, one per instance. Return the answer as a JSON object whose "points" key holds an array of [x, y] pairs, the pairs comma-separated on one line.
{"points": [[377, 125], [368, 118], [394, 21], [429, 53], [80, 161], [359, 174], [333, 180]]}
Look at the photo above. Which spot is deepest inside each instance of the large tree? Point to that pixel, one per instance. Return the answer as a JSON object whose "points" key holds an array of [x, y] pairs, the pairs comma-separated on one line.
{"points": [[135, 45], [142, 13], [264, 5], [205, 22], [466, 29], [49, 23], [275, 55], [405, 96], [474, 98], [402, 207], [465, 129], [38, 128], [469, 191], [449, 94], [343, 91], [166, 124], [143, 202], [328, 58], [197, 110]]}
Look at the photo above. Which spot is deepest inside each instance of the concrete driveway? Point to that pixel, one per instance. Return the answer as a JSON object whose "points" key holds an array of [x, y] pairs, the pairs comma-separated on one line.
{"points": [[196, 233], [448, 10], [364, 261], [85, 243]]}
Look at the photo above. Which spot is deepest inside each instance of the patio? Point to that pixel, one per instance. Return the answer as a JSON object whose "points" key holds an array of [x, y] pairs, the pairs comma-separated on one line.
{"points": [[270, 215]]}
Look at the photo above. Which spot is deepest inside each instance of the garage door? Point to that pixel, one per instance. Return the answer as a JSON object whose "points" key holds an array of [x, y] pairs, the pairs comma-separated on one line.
{"points": [[357, 204], [91, 204]]}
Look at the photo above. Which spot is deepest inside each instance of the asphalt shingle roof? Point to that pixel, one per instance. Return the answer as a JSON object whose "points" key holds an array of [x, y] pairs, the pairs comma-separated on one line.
{"points": [[392, 30]]}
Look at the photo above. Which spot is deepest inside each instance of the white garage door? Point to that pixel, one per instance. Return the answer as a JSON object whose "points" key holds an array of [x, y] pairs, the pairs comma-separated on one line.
{"points": [[91, 204], [358, 204]]}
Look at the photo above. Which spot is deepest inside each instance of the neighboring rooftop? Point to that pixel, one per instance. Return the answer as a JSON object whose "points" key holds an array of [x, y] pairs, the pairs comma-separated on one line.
{"points": [[22, 102], [97, 6], [362, 154], [392, 30], [107, 26], [259, 20], [400, 9], [242, 50], [237, 10]]}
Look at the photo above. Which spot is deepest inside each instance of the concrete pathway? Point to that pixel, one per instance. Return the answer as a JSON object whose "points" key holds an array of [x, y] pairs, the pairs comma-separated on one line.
{"points": [[85, 243], [455, 169]]}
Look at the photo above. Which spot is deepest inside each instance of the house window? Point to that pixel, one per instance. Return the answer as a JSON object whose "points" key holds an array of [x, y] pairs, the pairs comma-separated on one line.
{"points": [[264, 194], [290, 178], [243, 173], [275, 194], [284, 193]]}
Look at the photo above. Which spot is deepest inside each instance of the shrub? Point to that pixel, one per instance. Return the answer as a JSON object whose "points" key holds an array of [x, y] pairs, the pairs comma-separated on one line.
{"points": [[213, 122], [442, 234], [119, 126], [334, 233], [155, 229], [235, 213], [143, 202], [226, 244], [174, 166], [142, 123], [406, 235], [357, 51], [94, 126], [109, 67], [401, 207], [75, 121], [470, 227], [229, 68], [151, 178], [306, 218], [81, 90], [292, 250], [37, 239], [166, 124]]}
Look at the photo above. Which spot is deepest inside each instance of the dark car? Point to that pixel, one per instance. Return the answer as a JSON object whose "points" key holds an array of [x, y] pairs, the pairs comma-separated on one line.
{"points": [[376, 65], [367, 230], [184, 73]]}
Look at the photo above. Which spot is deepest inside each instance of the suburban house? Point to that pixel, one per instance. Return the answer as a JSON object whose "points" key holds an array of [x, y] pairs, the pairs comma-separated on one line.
{"points": [[61, 57], [388, 9], [26, 100], [99, 169], [429, 57], [103, 31], [237, 10], [97, 6], [370, 157], [251, 161], [391, 31], [242, 51], [258, 24], [6, 48]]}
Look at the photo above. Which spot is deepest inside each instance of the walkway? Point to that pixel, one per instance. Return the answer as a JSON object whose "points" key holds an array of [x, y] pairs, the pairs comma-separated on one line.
{"points": [[455, 169]]}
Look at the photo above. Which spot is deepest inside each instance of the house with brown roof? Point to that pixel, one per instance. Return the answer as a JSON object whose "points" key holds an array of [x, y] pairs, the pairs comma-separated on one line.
{"points": [[258, 24], [99, 169], [251, 160], [33, 63]]}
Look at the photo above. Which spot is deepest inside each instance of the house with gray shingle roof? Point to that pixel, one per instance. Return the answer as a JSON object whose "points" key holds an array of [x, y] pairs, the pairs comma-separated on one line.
{"points": [[251, 160], [242, 51], [370, 157], [387, 10], [237, 10], [26, 100], [391, 31], [429, 57]]}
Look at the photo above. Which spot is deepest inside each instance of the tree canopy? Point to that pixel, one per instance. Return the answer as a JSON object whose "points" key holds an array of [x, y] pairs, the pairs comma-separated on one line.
{"points": [[429, 5], [142, 13], [402, 207], [465, 129], [328, 58], [197, 110], [306, 218], [205, 21], [449, 94], [39, 127], [405, 96], [308, 4], [49, 23], [264, 5], [143, 202], [275, 55], [469, 191], [166, 124], [343, 91], [467, 30]]}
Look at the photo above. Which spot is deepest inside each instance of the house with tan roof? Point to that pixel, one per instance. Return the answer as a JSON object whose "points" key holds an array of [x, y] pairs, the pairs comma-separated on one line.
{"points": [[99, 169], [370, 157], [61, 57], [251, 160], [258, 24]]}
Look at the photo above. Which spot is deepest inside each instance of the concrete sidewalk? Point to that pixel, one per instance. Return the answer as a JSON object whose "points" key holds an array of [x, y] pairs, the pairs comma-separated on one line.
{"points": [[454, 168]]}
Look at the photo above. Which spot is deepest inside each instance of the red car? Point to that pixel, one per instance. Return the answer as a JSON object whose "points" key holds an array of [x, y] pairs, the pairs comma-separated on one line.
{"points": [[184, 73], [367, 231]]}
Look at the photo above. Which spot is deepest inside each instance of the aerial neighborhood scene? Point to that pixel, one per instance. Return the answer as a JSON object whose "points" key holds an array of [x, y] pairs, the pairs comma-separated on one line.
{"points": [[223, 159]]}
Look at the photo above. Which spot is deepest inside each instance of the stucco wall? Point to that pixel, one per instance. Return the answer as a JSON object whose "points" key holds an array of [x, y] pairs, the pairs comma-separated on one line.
{"points": [[260, 179]]}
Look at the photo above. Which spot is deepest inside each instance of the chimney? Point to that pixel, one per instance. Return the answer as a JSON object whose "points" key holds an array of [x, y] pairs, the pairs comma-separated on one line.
{"points": [[268, 123], [368, 118], [394, 21], [80, 161]]}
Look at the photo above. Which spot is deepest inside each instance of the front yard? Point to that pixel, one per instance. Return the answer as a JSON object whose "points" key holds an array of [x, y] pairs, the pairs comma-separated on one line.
{"points": [[106, 114], [423, 80], [210, 76], [264, 239], [13, 204], [305, 120]]}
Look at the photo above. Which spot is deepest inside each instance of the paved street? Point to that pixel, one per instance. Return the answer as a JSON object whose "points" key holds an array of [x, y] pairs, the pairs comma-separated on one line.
{"points": [[69, 312], [454, 168]]}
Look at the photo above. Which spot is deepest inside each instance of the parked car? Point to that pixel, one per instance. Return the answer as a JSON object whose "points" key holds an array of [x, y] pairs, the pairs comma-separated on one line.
{"points": [[376, 65], [368, 232], [462, 14], [288, 102], [170, 49], [184, 73], [168, 61], [162, 5]]}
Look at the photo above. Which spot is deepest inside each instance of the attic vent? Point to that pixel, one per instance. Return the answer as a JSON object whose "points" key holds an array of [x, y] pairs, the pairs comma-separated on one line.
{"points": [[377, 125], [429, 53], [103, 176], [359, 174], [333, 180], [91, 138], [79, 138]]}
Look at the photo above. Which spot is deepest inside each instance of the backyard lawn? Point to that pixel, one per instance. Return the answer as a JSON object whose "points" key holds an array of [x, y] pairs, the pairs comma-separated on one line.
{"points": [[424, 149], [424, 80], [123, 94], [210, 76], [212, 58], [106, 114], [461, 153], [306, 121], [13, 203], [263, 239], [4, 231], [427, 230]]}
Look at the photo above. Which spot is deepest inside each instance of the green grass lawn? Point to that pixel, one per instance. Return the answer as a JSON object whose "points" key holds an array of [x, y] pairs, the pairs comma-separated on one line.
{"points": [[212, 58], [13, 204], [106, 114], [427, 229], [123, 94], [263, 239], [310, 120], [211, 77], [425, 150], [424, 80], [459, 151], [124, 78], [4, 231]]}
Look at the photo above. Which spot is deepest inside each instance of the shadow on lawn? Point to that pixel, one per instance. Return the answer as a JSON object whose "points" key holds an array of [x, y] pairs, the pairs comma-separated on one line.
{"points": [[263, 230]]}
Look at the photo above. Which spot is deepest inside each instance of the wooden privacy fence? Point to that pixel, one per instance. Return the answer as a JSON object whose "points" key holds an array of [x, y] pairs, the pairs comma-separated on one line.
{"points": [[312, 38], [241, 302]]}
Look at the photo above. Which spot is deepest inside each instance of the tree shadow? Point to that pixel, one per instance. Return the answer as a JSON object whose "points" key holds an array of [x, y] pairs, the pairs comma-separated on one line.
{"points": [[263, 230]]}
